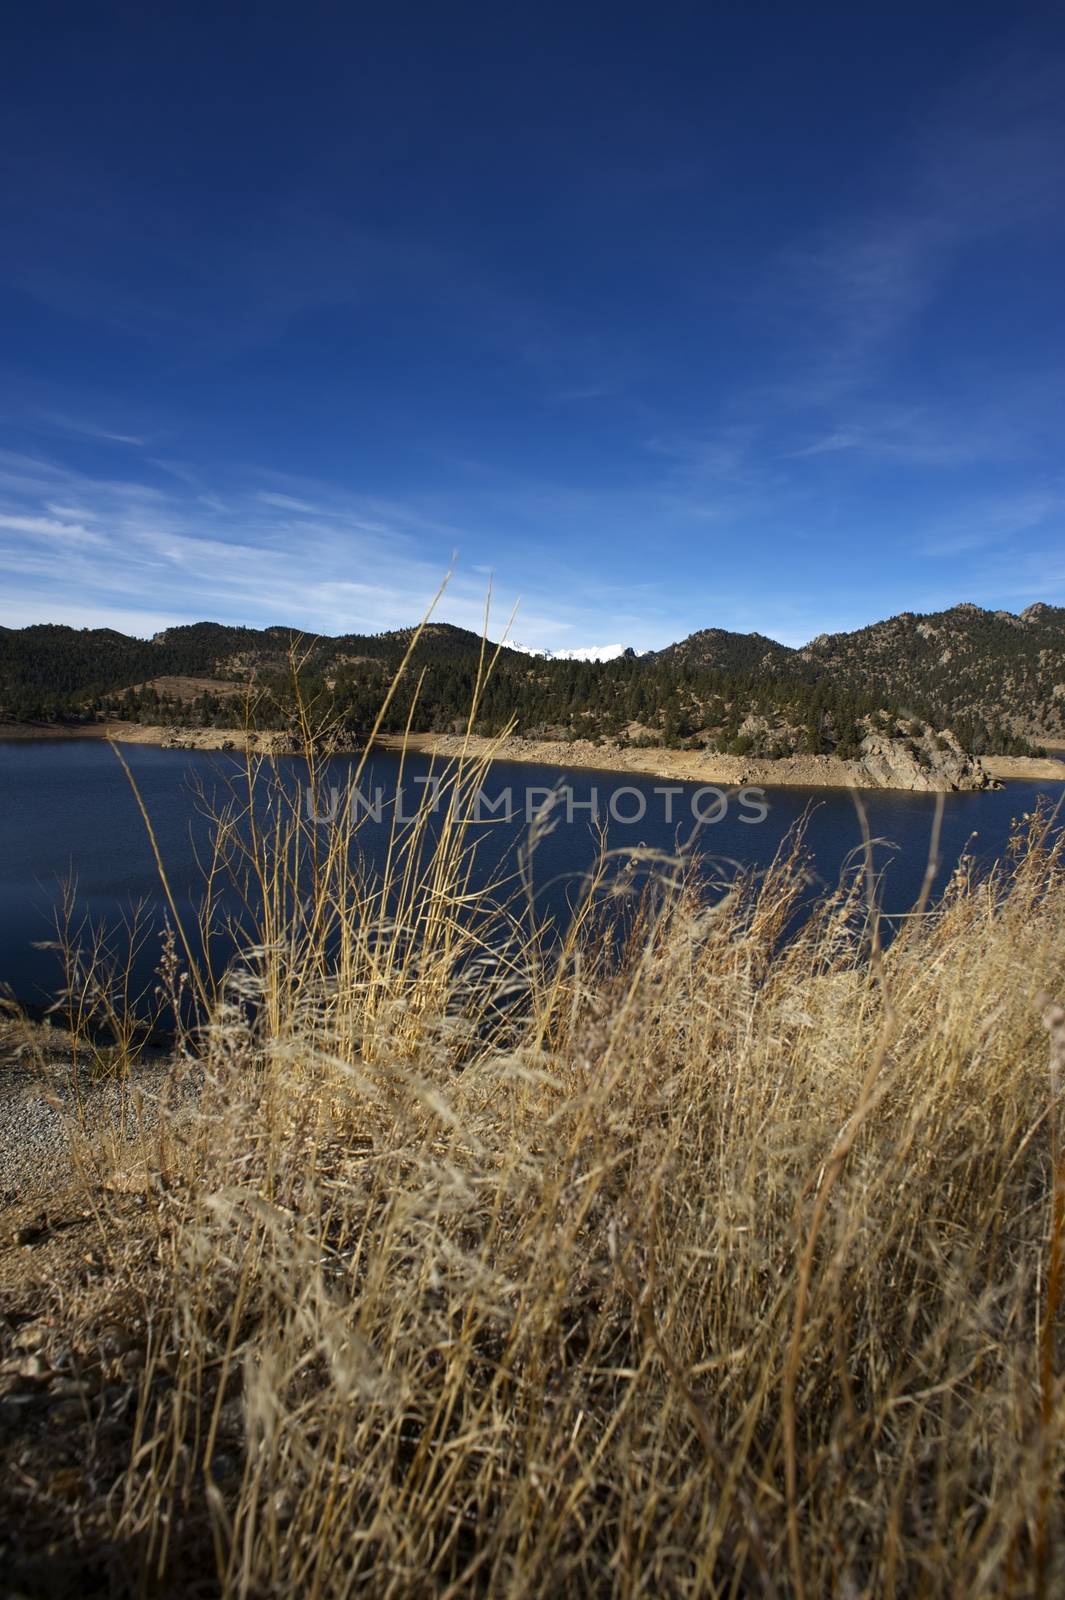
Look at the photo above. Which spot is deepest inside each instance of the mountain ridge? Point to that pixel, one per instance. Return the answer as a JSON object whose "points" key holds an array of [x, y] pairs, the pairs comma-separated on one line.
{"points": [[993, 679]]}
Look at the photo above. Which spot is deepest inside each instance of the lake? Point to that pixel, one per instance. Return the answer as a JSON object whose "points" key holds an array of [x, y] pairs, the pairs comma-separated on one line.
{"points": [[67, 811]]}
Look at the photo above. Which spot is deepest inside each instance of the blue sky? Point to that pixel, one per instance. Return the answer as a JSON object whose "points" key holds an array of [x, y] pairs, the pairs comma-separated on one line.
{"points": [[664, 317]]}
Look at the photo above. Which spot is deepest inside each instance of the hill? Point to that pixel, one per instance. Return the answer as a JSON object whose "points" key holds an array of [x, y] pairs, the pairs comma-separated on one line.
{"points": [[718, 650], [963, 667]]}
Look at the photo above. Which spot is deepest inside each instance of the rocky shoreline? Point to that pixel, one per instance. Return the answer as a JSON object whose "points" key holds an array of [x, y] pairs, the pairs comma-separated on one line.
{"points": [[884, 764], [932, 765], [261, 741]]}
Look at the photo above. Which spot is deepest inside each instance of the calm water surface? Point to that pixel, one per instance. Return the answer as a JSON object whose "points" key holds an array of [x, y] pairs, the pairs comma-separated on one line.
{"points": [[67, 811]]}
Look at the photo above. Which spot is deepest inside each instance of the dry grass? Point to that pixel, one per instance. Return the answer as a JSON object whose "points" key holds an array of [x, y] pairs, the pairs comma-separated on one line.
{"points": [[708, 1265], [183, 688]]}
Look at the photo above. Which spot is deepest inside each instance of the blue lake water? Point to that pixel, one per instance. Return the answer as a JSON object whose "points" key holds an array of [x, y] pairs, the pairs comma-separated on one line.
{"points": [[67, 811]]}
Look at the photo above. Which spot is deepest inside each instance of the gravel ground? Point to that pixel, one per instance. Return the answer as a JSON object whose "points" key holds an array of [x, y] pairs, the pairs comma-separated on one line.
{"points": [[46, 1110]]}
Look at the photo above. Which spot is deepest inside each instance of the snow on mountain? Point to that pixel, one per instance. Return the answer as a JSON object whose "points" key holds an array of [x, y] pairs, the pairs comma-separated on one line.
{"points": [[587, 652]]}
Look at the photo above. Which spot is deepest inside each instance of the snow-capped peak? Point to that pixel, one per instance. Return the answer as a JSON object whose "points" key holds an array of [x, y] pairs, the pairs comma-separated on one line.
{"points": [[586, 652]]}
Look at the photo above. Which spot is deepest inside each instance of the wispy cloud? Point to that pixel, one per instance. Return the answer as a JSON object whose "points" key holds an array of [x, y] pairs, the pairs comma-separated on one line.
{"points": [[56, 421], [331, 562], [997, 520], [917, 436], [830, 444], [287, 502], [56, 530], [846, 300]]}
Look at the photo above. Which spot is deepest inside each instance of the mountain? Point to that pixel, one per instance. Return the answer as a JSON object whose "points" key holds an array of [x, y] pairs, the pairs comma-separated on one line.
{"points": [[587, 652], [719, 650], [993, 679], [955, 667]]}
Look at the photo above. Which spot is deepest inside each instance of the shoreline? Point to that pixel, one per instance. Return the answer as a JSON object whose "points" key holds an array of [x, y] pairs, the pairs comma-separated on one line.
{"points": [[685, 766], [1030, 768], [711, 767]]}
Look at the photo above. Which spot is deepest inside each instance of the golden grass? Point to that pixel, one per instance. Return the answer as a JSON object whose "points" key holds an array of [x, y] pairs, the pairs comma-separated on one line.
{"points": [[710, 1264]]}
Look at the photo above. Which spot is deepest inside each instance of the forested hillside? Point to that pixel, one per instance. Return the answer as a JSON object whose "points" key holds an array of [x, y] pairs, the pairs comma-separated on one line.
{"points": [[966, 667], [997, 681]]}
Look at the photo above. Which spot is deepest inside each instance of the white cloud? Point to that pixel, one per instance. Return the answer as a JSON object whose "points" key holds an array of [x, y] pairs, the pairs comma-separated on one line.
{"points": [[52, 529], [29, 607], [285, 502], [841, 439], [89, 430], [329, 563]]}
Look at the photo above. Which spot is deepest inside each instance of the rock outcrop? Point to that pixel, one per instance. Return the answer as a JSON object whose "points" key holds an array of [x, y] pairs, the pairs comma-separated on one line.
{"points": [[932, 762]]}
